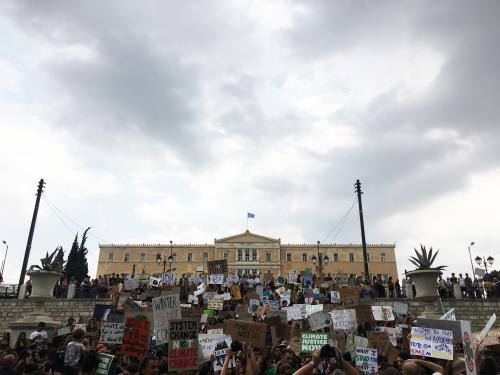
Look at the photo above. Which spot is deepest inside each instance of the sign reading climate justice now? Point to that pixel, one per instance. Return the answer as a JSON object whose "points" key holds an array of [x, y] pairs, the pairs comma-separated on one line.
{"points": [[309, 342]]}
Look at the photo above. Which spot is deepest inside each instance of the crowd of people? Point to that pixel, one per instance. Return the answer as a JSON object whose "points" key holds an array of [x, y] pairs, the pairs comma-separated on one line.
{"points": [[78, 351]]}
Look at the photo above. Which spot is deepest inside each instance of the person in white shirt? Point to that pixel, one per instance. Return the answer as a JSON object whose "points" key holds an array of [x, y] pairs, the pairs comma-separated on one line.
{"points": [[461, 282], [39, 335]]}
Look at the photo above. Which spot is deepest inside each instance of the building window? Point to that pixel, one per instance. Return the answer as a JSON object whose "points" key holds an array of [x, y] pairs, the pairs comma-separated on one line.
{"points": [[205, 257], [143, 257], [240, 255], [268, 257], [254, 272], [288, 257], [335, 257], [226, 255], [158, 257], [247, 255], [254, 255], [126, 257], [174, 257], [304, 257], [351, 257], [110, 257], [382, 257], [190, 257]]}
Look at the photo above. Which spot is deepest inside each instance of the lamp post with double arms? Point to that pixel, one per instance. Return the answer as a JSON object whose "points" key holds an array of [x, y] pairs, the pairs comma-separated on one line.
{"points": [[490, 260], [320, 260]]}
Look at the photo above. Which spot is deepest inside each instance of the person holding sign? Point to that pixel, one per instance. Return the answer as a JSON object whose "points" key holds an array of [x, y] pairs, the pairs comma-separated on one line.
{"points": [[329, 358]]}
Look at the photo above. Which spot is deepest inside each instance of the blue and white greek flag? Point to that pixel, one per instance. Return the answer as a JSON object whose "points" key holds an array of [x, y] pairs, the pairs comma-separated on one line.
{"points": [[250, 215]]}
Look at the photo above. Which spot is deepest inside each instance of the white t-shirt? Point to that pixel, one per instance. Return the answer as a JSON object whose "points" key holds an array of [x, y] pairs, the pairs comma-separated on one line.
{"points": [[461, 282], [38, 335]]}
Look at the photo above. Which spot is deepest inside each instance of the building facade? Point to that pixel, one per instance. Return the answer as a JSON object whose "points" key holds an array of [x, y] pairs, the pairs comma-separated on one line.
{"points": [[246, 253]]}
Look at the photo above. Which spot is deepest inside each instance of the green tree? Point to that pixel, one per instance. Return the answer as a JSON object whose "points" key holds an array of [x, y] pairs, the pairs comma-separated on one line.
{"points": [[72, 265], [82, 254], [60, 257]]}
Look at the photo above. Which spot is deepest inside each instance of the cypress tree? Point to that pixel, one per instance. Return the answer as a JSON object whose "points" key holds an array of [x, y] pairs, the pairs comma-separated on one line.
{"points": [[72, 266], [59, 258], [82, 255]]}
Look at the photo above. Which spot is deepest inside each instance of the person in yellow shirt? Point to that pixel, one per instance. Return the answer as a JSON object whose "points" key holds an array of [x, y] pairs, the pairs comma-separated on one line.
{"points": [[235, 292]]}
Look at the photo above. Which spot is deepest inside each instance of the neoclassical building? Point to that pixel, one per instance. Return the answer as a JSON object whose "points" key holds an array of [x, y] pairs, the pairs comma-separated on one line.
{"points": [[246, 253]]}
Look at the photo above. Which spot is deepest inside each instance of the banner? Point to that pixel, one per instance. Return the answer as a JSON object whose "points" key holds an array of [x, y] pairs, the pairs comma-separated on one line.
{"points": [[344, 319], [105, 361], [382, 313], [217, 279], [450, 315], [430, 342], [136, 336], [366, 360], [111, 333], [335, 296], [309, 342], [165, 309], [251, 333], [183, 344], [320, 320], [217, 267]]}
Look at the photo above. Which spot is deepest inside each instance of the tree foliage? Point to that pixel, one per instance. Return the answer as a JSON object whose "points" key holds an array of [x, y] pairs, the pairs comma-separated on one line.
{"points": [[77, 266]]}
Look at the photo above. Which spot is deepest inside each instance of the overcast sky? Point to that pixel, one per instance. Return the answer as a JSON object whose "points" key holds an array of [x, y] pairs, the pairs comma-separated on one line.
{"points": [[157, 121]]}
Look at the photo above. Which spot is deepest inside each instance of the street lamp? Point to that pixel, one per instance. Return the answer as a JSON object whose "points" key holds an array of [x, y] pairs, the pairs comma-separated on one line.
{"points": [[485, 262], [5, 257], [470, 256], [321, 259]]}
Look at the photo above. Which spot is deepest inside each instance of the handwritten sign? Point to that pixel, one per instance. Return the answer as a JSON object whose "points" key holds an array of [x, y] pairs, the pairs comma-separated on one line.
{"points": [[430, 342], [206, 344], [320, 320], [252, 333], [217, 266], [168, 278], [292, 276], [344, 319], [183, 344], [377, 339], [63, 331], [219, 350], [335, 296], [309, 342], [216, 279], [311, 309], [105, 361], [293, 312], [449, 315], [216, 304], [366, 360], [382, 313], [136, 335], [130, 284], [165, 309], [111, 333], [400, 308]]}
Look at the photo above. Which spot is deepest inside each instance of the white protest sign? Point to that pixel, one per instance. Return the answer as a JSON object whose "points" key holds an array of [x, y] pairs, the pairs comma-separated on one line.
{"points": [[82, 326], [470, 363], [224, 296], [366, 360], [205, 345], [319, 320], [311, 309], [360, 341], [111, 333], [382, 313], [63, 331], [487, 327], [253, 305], [335, 296], [293, 312], [154, 281], [401, 308], [450, 315], [130, 284], [392, 332], [292, 276], [219, 349], [215, 331], [165, 309], [286, 296], [192, 299], [216, 279], [168, 278], [344, 319], [430, 342], [216, 304]]}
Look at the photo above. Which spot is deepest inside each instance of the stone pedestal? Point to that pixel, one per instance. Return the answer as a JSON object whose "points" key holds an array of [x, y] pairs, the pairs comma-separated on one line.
{"points": [[43, 283], [430, 310], [22, 292]]}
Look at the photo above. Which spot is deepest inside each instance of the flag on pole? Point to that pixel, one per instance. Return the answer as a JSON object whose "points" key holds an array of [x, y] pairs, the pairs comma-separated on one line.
{"points": [[250, 215]]}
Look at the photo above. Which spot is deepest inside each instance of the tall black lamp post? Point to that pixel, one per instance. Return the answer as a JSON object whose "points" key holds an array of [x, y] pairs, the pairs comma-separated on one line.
{"points": [[320, 260]]}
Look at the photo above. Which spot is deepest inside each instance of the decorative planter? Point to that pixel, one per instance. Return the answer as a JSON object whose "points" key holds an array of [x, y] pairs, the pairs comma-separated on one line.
{"points": [[425, 284], [43, 283]]}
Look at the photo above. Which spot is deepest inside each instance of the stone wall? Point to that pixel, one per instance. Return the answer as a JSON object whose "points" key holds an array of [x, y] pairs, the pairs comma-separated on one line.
{"points": [[476, 311], [58, 310]]}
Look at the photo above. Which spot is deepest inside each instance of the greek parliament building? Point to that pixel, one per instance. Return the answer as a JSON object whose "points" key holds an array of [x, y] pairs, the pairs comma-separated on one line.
{"points": [[246, 253]]}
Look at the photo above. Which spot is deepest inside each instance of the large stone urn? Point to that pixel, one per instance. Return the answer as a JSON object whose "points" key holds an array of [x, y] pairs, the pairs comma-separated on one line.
{"points": [[43, 283], [426, 287]]}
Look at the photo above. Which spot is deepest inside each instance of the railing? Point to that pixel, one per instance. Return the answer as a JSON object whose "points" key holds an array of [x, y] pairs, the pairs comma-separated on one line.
{"points": [[8, 291]]}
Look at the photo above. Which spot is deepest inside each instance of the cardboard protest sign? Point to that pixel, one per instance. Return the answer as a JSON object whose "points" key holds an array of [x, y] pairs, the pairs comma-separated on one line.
{"points": [[309, 342], [183, 329], [430, 342], [319, 320], [105, 361], [349, 296], [363, 313], [216, 279], [366, 360], [470, 363], [217, 266], [281, 313], [449, 315], [165, 309], [335, 296], [377, 339], [219, 350], [252, 333], [360, 341], [400, 308], [136, 336], [216, 304], [183, 344], [111, 333], [344, 319], [205, 345], [382, 313]]}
